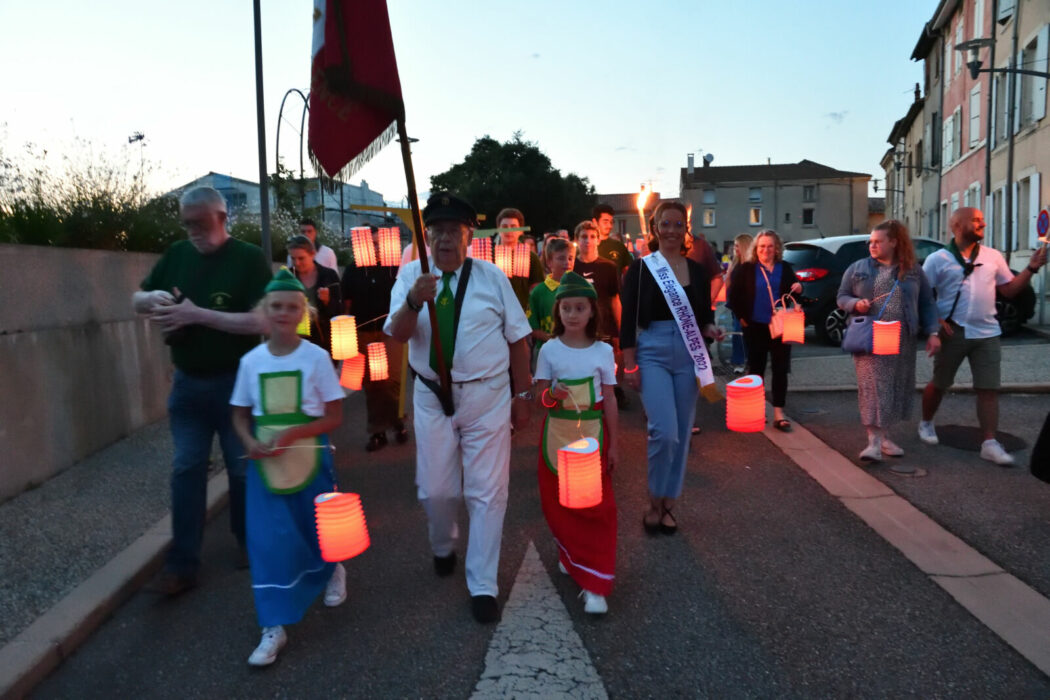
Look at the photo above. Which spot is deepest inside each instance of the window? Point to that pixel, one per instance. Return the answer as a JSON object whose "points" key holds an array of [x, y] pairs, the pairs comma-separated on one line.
{"points": [[999, 113], [978, 19], [1006, 11], [809, 193], [787, 217], [947, 136], [960, 56], [1032, 104], [935, 145], [975, 116], [911, 166], [920, 157], [808, 216], [709, 196], [754, 217], [955, 201], [947, 62], [952, 137], [754, 194], [709, 217], [621, 226], [944, 217]]}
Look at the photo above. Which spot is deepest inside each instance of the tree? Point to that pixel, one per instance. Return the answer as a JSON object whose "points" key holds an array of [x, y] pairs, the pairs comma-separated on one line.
{"points": [[518, 174]]}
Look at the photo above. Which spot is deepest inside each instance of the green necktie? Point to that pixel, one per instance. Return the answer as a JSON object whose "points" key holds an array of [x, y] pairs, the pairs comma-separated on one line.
{"points": [[446, 319]]}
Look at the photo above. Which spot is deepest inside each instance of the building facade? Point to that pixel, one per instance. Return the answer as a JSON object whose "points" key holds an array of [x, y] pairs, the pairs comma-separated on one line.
{"points": [[930, 50], [905, 172]]}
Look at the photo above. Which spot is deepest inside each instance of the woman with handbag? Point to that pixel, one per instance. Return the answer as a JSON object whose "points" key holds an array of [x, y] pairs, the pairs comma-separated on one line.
{"points": [[755, 288], [889, 284], [656, 320]]}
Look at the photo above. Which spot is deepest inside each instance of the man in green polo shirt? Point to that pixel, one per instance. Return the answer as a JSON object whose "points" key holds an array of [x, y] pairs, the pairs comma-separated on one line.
{"points": [[201, 294]]}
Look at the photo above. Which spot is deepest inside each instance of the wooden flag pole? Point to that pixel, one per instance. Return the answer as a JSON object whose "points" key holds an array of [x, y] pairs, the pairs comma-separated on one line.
{"points": [[424, 264]]}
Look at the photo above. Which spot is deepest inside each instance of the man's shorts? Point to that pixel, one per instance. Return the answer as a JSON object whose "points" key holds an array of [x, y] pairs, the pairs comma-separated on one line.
{"points": [[984, 354]]}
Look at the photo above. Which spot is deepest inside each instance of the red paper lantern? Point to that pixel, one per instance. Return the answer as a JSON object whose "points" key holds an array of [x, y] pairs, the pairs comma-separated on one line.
{"points": [[746, 404], [522, 260], [481, 248], [580, 474], [344, 337], [389, 247], [886, 337], [364, 249], [721, 294], [794, 327], [341, 529], [353, 373], [377, 365], [505, 259]]}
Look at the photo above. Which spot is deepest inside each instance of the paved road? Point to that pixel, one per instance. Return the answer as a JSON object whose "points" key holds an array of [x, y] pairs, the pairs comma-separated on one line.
{"points": [[772, 587]]}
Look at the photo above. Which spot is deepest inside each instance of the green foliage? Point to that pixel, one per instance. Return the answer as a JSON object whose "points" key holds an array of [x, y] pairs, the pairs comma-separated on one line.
{"points": [[517, 174]]}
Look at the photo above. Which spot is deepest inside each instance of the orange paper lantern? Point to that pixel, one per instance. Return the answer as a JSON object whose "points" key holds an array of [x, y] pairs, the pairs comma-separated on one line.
{"points": [[794, 327], [746, 404], [522, 260], [505, 259], [344, 337], [389, 247], [481, 248], [377, 365], [352, 375], [580, 474], [341, 529], [886, 337], [721, 295], [364, 249]]}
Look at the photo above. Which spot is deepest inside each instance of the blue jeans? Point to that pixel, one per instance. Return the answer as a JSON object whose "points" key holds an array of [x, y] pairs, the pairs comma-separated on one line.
{"points": [[669, 394], [198, 408], [739, 349]]}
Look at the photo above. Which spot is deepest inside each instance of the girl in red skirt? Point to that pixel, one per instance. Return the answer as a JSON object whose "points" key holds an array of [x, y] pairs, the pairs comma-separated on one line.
{"points": [[575, 376]]}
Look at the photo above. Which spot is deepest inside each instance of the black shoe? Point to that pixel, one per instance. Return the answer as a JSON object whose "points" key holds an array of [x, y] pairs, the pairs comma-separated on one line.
{"points": [[377, 441], [651, 529], [485, 609], [240, 560], [170, 584], [668, 529], [401, 434], [622, 402], [445, 566]]}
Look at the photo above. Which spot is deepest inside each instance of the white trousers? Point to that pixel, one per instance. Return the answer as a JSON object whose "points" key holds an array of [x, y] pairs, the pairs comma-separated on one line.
{"points": [[465, 456]]}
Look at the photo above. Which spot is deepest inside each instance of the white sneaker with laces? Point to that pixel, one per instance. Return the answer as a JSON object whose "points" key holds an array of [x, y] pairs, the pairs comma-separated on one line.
{"points": [[273, 640], [891, 449], [994, 452], [335, 591], [561, 568], [927, 433], [873, 452], [593, 603]]}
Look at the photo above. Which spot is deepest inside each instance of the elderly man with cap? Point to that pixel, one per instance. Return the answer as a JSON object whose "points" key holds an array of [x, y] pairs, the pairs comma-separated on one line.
{"points": [[463, 441]]}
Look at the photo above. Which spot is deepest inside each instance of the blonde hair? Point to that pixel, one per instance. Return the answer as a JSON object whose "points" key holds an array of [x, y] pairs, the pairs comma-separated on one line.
{"points": [[778, 254]]}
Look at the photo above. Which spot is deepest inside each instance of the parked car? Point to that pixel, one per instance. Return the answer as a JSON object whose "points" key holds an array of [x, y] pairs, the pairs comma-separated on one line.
{"points": [[819, 264]]}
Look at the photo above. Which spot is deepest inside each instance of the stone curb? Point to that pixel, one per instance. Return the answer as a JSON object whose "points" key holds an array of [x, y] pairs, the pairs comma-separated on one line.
{"points": [[1010, 388], [28, 658]]}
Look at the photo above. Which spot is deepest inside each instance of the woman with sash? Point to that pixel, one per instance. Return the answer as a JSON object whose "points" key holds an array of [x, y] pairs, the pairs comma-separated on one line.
{"points": [[666, 308], [755, 287], [285, 401], [575, 378]]}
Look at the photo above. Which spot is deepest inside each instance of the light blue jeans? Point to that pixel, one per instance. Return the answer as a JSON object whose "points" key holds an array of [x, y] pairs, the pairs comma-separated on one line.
{"points": [[669, 393]]}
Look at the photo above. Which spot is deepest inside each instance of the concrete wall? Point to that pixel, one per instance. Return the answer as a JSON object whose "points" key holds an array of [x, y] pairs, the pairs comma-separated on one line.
{"points": [[78, 369]]}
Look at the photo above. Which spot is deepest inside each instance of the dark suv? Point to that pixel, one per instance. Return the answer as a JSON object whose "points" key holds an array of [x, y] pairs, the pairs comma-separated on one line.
{"points": [[819, 264]]}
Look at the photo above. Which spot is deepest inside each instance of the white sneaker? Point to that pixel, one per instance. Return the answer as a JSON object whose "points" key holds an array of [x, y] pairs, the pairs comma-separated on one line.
{"points": [[994, 452], [927, 433], [273, 640], [561, 568], [891, 449], [335, 591], [873, 452], [593, 603]]}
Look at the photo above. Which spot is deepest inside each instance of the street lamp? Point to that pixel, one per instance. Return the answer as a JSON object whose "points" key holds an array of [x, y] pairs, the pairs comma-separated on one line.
{"points": [[972, 49]]}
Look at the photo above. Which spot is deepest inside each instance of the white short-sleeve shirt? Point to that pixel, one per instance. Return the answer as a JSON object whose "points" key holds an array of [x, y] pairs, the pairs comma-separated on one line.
{"points": [[491, 318], [320, 384], [558, 361], [975, 311]]}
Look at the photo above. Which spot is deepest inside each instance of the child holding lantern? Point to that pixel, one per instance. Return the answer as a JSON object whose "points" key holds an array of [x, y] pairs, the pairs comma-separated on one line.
{"points": [[575, 377], [285, 400]]}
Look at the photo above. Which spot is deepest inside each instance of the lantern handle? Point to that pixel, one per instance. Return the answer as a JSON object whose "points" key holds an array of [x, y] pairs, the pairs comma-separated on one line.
{"points": [[579, 411]]}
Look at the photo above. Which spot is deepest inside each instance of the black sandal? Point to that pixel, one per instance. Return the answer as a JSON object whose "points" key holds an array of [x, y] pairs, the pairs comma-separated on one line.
{"points": [[668, 529], [651, 529], [783, 425]]}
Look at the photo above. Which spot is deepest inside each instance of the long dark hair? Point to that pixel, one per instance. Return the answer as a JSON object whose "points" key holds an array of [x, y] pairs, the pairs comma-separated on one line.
{"points": [[592, 325], [653, 240]]}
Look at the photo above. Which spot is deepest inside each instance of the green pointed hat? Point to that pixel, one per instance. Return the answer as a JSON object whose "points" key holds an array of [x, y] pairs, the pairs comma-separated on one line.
{"points": [[285, 281], [573, 285]]}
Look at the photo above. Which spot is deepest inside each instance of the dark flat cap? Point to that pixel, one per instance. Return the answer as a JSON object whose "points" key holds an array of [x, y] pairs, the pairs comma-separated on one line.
{"points": [[445, 206]]}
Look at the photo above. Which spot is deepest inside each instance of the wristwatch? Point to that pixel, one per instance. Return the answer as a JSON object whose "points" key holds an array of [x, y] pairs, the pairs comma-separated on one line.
{"points": [[410, 305], [526, 395], [1033, 270]]}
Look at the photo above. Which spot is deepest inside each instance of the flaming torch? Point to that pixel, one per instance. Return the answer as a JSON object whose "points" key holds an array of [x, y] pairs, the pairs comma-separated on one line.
{"points": [[643, 197]]}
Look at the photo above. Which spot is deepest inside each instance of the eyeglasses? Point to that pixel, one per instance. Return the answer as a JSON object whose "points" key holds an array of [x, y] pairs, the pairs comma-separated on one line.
{"points": [[676, 224]]}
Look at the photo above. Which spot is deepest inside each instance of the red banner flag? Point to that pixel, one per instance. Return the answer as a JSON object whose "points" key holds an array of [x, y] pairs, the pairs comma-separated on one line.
{"points": [[355, 92]]}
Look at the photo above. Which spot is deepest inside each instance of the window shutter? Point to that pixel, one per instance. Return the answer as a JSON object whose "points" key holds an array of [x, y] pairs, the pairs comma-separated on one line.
{"points": [[994, 86], [1042, 65], [1017, 95], [975, 116], [1006, 11], [1033, 210]]}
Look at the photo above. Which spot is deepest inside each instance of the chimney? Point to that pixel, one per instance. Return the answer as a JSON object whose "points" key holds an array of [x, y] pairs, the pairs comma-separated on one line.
{"points": [[689, 164], [918, 95], [769, 161]]}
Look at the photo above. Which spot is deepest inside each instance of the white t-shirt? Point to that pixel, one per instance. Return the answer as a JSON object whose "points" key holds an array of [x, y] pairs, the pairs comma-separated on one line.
{"points": [[975, 311], [558, 361], [318, 386], [491, 318], [325, 257]]}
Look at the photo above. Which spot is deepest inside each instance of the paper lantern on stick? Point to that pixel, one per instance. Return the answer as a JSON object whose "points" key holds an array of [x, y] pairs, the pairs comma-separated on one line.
{"points": [[746, 404], [580, 474], [389, 247], [344, 337], [794, 327], [364, 249], [481, 248], [505, 259], [352, 375], [341, 528], [377, 365], [303, 328], [522, 260], [886, 337]]}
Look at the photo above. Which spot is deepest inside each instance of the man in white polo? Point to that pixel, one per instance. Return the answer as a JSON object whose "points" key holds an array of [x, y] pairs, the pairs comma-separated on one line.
{"points": [[463, 446], [966, 277], [324, 256]]}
